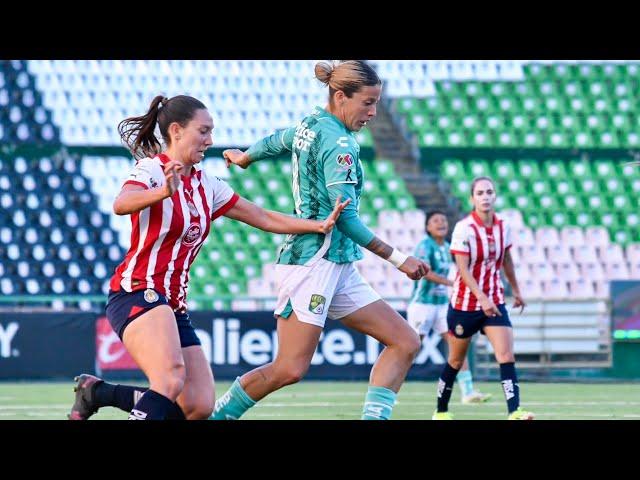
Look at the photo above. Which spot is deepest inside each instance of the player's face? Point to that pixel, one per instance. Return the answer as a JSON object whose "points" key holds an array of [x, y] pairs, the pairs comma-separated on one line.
{"points": [[484, 196], [438, 226], [361, 107], [196, 137]]}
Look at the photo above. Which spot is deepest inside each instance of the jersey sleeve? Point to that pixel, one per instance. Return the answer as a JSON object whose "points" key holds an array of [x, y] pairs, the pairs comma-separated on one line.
{"points": [[272, 146], [146, 173], [460, 240], [508, 239], [224, 198], [339, 163]]}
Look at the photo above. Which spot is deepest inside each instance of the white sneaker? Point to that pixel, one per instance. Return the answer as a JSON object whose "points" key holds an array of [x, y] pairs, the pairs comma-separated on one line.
{"points": [[476, 397]]}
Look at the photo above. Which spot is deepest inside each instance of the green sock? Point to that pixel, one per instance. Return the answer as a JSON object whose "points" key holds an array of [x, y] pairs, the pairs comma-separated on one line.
{"points": [[233, 404], [378, 403], [466, 382]]}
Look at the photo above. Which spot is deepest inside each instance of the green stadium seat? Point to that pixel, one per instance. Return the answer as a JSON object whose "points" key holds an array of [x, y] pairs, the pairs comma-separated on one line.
{"points": [[408, 105], [562, 186], [478, 167], [614, 186], [559, 219], [540, 187], [528, 169], [481, 138], [502, 169], [432, 138], [452, 168], [558, 139], [531, 139], [554, 168], [583, 219], [506, 138], [580, 169], [548, 203]]}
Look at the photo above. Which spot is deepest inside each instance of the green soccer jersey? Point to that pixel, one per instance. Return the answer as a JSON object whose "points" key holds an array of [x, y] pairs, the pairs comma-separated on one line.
{"points": [[439, 258], [325, 164]]}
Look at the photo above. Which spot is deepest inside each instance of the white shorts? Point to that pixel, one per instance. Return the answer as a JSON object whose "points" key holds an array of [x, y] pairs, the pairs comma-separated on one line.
{"points": [[423, 317], [320, 290]]}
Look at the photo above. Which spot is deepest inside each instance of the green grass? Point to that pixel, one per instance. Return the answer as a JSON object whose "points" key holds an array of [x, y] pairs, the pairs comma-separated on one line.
{"points": [[343, 400]]}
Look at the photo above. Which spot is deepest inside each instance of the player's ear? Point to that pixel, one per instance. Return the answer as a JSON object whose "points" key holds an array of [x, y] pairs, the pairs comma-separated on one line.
{"points": [[175, 131]]}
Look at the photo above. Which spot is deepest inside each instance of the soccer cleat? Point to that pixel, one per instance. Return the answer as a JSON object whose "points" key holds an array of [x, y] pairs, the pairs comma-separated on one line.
{"points": [[442, 416], [520, 414], [83, 406], [476, 397]]}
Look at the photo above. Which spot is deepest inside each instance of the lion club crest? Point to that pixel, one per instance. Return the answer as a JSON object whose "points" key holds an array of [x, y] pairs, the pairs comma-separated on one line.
{"points": [[317, 304], [150, 296], [345, 160], [192, 235]]}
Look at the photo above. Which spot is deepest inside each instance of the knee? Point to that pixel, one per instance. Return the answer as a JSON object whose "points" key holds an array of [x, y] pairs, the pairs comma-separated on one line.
{"points": [[410, 345], [170, 382], [289, 374], [456, 363], [199, 408]]}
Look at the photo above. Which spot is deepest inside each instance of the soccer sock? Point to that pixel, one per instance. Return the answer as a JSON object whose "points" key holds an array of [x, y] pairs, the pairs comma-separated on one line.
{"points": [[123, 397], [445, 386], [510, 385], [233, 404], [152, 406], [378, 403], [176, 413], [465, 381]]}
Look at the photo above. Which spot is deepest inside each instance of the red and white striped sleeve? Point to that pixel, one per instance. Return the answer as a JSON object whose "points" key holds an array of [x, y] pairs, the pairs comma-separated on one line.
{"points": [[508, 243], [224, 198], [460, 239], [146, 173]]}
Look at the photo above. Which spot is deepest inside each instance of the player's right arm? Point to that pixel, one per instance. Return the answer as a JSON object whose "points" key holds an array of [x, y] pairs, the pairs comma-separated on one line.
{"points": [[269, 147], [460, 248], [138, 191]]}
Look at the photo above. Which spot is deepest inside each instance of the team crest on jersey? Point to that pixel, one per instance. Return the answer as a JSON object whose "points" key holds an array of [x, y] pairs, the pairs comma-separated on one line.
{"points": [[150, 296], [345, 160], [153, 183], [459, 329], [317, 304], [192, 235]]}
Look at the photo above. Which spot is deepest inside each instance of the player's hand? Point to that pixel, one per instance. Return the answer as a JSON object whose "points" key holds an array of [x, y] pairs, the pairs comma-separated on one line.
{"points": [[518, 301], [236, 157], [488, 307], [327, 225], [172, 172], [414, 268]]}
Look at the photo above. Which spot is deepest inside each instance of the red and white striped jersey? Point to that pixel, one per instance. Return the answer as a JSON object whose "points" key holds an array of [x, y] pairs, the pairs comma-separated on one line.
{"points": [[485, 247], [167, 236]]}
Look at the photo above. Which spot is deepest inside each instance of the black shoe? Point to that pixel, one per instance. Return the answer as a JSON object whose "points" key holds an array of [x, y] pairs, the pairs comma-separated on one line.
{"points": [[84, 407]]}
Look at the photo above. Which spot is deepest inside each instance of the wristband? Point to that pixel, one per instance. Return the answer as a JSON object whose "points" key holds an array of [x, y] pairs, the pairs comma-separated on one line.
{"points": [[397, 258]]}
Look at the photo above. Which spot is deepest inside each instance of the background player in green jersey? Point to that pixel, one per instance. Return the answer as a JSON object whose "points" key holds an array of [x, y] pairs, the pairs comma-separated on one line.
{"points": [[316, 274], [428, 306]]}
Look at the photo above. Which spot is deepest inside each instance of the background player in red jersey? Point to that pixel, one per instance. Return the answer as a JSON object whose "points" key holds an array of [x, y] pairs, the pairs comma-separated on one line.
{"points": [[481, 243], [172, 203]]}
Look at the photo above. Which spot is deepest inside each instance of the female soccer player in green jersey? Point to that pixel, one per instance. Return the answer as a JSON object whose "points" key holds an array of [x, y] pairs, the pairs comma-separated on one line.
{"points": [[316, 274]]}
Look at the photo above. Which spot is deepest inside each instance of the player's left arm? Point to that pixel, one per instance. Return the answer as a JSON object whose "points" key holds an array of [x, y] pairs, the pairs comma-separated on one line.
{"points": [[276, 222], [510, 273]]}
